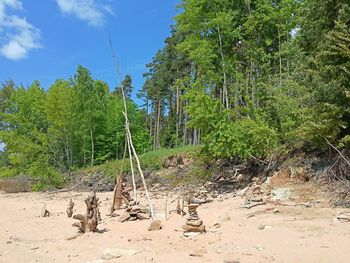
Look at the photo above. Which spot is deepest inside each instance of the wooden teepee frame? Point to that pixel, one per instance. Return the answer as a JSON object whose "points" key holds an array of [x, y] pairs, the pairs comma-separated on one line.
{"points": [[131, 150]]}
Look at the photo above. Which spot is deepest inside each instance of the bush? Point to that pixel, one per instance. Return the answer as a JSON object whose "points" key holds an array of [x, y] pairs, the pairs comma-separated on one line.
{"points": [[44, 175], [244, 139]]}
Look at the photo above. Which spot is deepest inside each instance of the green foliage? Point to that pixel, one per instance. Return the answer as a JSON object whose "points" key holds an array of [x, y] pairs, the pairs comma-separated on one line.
{"points": [[73, 124], [240, 77], [152, 160], [44, 175], [345, 142], [243, 139]]}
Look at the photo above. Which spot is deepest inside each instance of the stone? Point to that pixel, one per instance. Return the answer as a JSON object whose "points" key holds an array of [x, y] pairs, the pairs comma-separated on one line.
{"points": [[44, 212], [143, 216], [111, 254], [194, 254], [280, 194], [224, 218], [74, 236], [124, 217], [276, 210], [195, 223], [114, 253], [242, 192], [216, 224], [155, 226], [194, 200], [263, 227], [281, 177], [200, 229], [136, 208], [191, 234]]}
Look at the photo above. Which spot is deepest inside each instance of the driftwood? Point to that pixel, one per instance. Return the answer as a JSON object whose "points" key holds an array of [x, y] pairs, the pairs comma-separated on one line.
{"points": [[118, 198], [251, 205], [89, 221], [44, 211], [69, 209], [178, 210]]}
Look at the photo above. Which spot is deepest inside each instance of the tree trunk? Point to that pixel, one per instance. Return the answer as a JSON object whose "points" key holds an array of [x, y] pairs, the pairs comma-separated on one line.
{"points": [[92, 147], [66, 149], [158, 126], [224, 88], [177, 114], [184, 139], [280, 56]]}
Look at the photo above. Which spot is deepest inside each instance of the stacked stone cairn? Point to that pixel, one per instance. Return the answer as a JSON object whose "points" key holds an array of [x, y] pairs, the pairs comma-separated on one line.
{"points": [[193, 223], [134, 211]]}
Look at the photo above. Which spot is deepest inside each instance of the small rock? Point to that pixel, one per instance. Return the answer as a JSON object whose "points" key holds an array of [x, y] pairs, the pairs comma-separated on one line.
{"points": [[195, 223], [44, 212], [113, 253], [98, 261], [74, 236], [216, 224], [195, 255], [263, 227], [143, 216], [187, 228], [155, 226], [191, 234], [112, 215], [242, 192], [224, 218], [124, 217], [136, 208]]}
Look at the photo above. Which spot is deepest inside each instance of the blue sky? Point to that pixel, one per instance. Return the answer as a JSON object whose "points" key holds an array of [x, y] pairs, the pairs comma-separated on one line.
{"points": [[46, 40]]}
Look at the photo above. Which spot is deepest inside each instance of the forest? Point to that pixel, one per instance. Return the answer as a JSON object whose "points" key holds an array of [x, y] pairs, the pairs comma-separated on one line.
{"points": [[245, 79]]}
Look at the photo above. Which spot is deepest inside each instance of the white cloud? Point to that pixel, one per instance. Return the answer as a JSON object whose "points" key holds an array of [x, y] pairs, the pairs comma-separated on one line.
{"points": [[18, 35], [87, 10]]}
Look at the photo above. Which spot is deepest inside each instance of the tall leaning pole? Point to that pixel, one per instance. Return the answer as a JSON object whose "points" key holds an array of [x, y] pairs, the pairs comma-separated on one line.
{"points": [[129, 140]]}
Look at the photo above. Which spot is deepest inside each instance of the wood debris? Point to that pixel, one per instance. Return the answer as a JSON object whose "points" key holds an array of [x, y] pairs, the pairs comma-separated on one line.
{"points": [[69, 209], [44, 212], [89, 221], [343, 217]]}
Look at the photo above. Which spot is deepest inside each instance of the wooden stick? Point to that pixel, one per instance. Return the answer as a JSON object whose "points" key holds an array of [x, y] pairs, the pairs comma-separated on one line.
{"points": [[129, 137], [116, 67], [142, 176], [114, 207], [346, 160], [166, 206], [131, 168]]}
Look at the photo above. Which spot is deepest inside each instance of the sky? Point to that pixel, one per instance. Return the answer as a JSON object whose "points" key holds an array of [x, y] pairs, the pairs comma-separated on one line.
{"points": [[47, 40]]}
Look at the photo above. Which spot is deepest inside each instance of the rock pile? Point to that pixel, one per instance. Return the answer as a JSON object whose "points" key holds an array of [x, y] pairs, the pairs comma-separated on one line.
{"points": [[255, 195], [193, 223], [134, 211]]}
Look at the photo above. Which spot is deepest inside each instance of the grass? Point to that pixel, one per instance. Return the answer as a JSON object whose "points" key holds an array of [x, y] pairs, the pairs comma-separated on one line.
{"points": [[6, 172], [152, 160]]}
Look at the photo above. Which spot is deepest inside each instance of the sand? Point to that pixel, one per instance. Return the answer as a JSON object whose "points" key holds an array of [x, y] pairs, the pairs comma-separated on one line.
{"points": [[260, 234]]}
